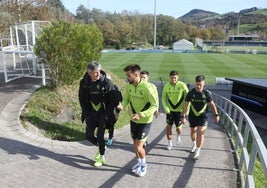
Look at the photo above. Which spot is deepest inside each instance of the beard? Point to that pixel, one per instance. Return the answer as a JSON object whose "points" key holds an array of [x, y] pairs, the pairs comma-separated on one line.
{"points": [[130, 81]]}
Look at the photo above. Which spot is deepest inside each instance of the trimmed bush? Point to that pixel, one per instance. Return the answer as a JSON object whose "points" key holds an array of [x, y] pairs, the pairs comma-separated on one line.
{"points": [[66, 49]]}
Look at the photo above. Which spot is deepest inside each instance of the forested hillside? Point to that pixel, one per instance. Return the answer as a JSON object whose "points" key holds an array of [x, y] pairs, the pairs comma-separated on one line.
{"points": [[133, 29], [251, 20]]}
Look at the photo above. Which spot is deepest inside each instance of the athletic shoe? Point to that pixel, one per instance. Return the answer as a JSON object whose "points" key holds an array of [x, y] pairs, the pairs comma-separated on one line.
{"points": [[99, 162], [136, 168], [178, 140], [97, 155], [142, 171], [169, 147], [109, 142], [193, 149], [196, 155]]}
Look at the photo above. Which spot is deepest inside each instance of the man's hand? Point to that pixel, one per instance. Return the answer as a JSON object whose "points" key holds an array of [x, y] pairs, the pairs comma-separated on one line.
{"points": [[217, 119], [156, 113], [136, 116], [183, 120], [119, 107]]}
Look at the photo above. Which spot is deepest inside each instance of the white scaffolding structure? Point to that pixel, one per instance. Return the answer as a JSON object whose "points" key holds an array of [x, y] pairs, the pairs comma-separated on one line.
{"points": [[18, 57]]}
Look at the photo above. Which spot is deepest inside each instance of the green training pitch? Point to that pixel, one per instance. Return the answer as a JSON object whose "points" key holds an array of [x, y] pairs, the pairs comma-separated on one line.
{"points": [[212, 65]]}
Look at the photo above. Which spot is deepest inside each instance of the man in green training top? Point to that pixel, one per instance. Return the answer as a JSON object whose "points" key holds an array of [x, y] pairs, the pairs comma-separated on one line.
{"points": [[143, 105], [173, 96], [145, 77]]}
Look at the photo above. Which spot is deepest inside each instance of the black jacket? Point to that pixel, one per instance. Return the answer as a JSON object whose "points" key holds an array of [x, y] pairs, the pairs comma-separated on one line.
{"points": [[100, 91]]}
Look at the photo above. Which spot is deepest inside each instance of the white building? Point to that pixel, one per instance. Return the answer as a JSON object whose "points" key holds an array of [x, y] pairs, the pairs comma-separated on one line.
{"points": [[183, 45]]}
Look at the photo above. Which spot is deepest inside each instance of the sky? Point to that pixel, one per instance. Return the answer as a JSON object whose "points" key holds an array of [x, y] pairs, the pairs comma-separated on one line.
{"points": [[175, 8]]}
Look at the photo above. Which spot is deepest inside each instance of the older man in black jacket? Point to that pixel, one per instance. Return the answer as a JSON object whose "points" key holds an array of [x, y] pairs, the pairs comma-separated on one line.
{"points": [[97, 103]]}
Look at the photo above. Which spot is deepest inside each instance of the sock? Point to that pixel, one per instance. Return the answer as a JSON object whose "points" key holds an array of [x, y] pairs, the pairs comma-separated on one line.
{"points": [[197, 150], [139, 161], [143, 161], [102, 156], [170, 142], [194, 143], [178, 137]]}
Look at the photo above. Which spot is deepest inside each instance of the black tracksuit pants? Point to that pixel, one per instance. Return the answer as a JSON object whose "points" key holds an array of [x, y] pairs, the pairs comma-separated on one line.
{"points": [[96, 120]]}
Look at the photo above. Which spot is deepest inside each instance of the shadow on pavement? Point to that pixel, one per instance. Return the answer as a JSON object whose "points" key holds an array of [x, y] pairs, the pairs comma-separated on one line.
{"points": [[15, 147]]}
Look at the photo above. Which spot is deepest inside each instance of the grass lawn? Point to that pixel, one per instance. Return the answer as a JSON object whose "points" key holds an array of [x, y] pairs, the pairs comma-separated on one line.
{"points": [[188, 65]]}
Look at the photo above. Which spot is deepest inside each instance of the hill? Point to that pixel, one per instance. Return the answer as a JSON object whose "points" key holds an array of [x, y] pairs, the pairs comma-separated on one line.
{"points": [[198, 14], [229, 21]]}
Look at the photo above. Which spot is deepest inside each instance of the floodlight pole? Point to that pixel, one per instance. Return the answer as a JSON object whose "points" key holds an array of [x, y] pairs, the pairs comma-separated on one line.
{"points": [[155, 25], [238, 23], [19, 10]]}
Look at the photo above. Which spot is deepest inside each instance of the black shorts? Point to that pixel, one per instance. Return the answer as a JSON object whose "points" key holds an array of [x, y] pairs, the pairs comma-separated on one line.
{"points": [[173, 118], [140, 131], [195, 121]]}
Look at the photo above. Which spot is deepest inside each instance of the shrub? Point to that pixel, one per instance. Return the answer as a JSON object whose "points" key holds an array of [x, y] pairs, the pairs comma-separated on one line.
{"points": [[66, 49]]}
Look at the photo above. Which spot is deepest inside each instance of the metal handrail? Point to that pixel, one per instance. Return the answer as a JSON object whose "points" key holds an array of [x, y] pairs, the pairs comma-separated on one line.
{"points": [[240, 129]]}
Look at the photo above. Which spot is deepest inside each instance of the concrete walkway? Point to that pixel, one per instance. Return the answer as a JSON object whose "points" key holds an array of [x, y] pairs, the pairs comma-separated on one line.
{"points": [[28, 160]]}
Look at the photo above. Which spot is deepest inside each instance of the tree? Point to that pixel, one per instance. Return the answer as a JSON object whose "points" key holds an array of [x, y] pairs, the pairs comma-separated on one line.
{"points": [[67, 48], [216, 34], [124, 29], [110, 36], [16, 11], [193, 32], [205, 34], [167, 30], [84, 14]]}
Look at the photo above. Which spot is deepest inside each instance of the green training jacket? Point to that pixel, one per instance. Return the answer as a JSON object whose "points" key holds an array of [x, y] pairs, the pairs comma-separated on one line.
{"points": [[141, 100], [155, 93], [173, 97]]}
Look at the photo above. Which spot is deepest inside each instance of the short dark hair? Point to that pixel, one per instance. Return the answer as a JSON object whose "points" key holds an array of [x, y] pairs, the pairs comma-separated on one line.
{"points": [[144, 72], [200, 78], [132, 68], [173, 73]]}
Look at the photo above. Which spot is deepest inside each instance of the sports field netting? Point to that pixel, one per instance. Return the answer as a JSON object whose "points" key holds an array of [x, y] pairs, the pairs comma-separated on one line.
{"points": [[212, 65]]}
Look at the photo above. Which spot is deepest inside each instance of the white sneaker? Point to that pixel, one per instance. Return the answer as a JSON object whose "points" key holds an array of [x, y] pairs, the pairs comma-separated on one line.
{"points": [[136, 168], [142, 171], [169, 147], [193, 148], [178, 140], [196, 155]]}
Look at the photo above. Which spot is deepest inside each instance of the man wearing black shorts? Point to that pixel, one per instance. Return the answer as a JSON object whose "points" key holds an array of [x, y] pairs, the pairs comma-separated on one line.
{"points": [[143, 104], [198, 98], [173, 95]]}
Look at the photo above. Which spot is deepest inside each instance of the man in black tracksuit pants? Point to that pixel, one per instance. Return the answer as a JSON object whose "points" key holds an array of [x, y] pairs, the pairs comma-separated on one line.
{"points": [[96, 101]]}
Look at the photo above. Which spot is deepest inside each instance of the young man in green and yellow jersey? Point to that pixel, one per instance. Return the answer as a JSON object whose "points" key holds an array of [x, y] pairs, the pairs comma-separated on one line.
{"points": [[173, 96], [143, 104]]}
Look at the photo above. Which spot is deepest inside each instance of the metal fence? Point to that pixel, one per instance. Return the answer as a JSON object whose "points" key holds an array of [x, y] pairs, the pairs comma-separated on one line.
{"points": [[19, 63], [247, 143]]}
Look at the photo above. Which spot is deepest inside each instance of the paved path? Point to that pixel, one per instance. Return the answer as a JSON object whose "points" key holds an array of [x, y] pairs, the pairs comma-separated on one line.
{"points": [[28, 160]]}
